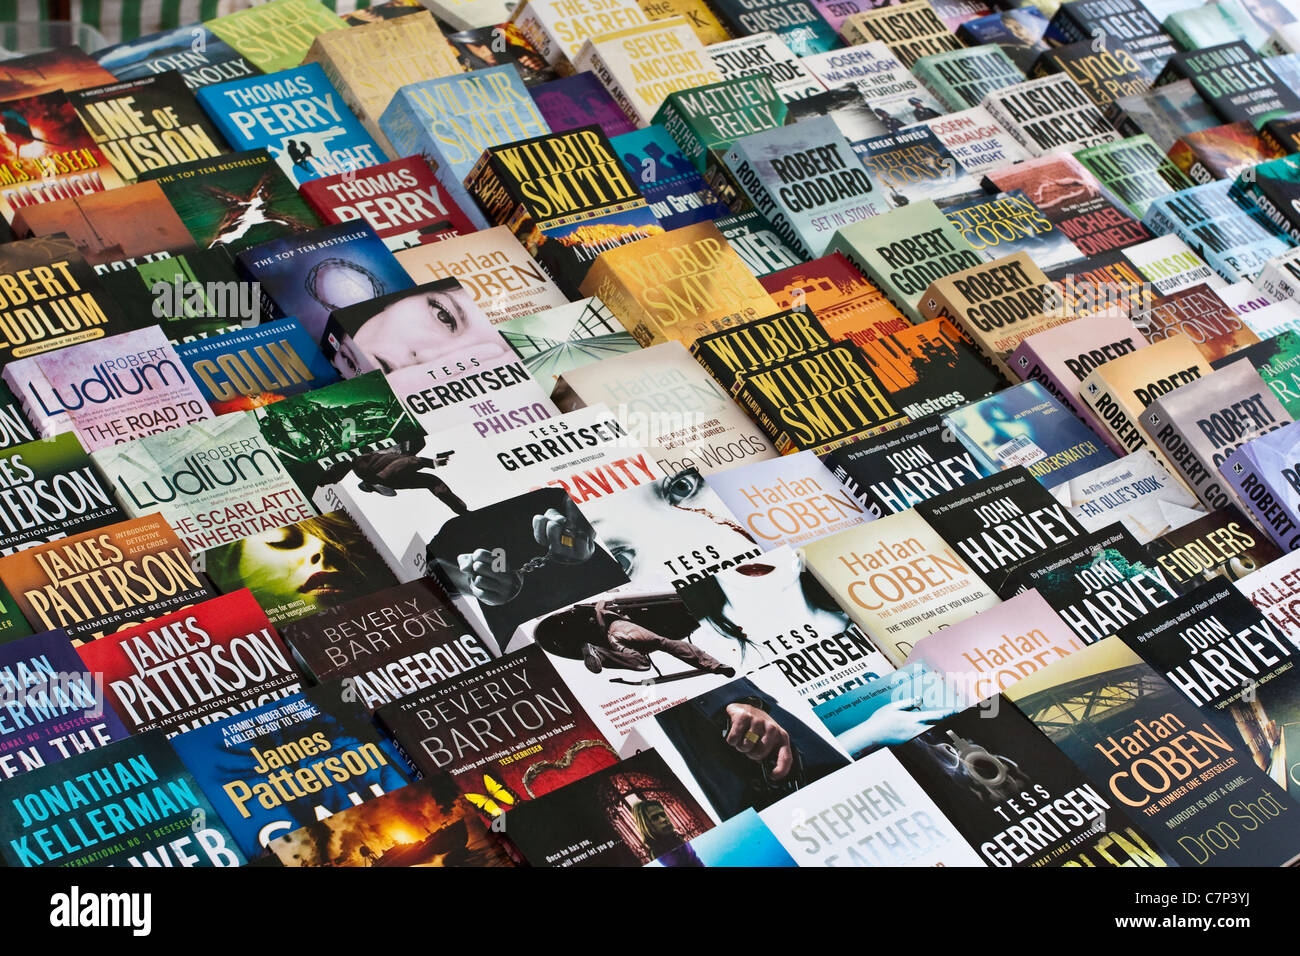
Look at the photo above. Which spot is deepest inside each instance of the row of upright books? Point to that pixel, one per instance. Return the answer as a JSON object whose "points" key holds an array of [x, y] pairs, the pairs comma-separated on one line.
{"points": [[654, 433]]}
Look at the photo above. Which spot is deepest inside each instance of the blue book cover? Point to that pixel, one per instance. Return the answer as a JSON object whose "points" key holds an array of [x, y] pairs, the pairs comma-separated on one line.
{"points": [[194, 51], [310, 274], [864, 717], [247, 368], [1232, 235], [806, 181], [677, 193], [290, 763], [51, 709], [744, 840], [451, 120], [128, 803], [1027, 425], [295, 115]]}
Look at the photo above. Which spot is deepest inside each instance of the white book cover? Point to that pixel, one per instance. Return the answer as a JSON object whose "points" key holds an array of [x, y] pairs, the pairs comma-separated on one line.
{"points": [[768, 54], [1136, 491], [977, 141], [1170, 265]]}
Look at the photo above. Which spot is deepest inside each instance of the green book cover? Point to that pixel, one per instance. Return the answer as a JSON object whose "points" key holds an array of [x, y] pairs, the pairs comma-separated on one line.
{"points": [[276, 35], [1277, 360], [904, 250], [1135, 170], [1215, 23], [961, 78]]}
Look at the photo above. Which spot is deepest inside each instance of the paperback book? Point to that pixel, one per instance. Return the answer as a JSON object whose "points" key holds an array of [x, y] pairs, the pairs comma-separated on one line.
{"points": [[961, 78], [1050, 115], [767, 54], [844, 301], [245, 368], [564, 337], [911, 29], [1233, 238], [275, 35], [193, 51], [1263, 477], [1137, 492], [1224, 544], [1009, 222], [977, 141], [580, 100]]}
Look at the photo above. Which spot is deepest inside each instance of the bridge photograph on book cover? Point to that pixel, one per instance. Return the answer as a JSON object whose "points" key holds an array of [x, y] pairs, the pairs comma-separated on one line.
{"points": [[650, 433]]}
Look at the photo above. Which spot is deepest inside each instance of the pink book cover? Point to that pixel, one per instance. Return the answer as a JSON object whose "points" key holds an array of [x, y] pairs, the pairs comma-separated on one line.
{"points": [[1060, 358], [119, 388], [989, 651]]}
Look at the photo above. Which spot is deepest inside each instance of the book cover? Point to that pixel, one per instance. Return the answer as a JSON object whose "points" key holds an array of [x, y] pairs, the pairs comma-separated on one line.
{"points": [[1129, 22], [1096, 584], [1235, 238], [420, 824], [798, 24], [1060, 359], [53, 709], [215, 482], [276, 35], [928, 368], [309, 275], [891, 95], [368, 64], [1223, 543], [147, 123], [402, 200], [1198, 425], [50, 490], [890, 473], [568, 199], [675, 191], [1137, 492], [1009, 222], [898, 580], [113, 390], [1198, 313], [670, 406], [855, 118], [904, 250], [1233, 81], [540, 740], [1137, 712], [192, 295], [912, 165], [806, 192], [298, 117], [193, 51], [779, 617], [555, 340], [766, 54], [844, 301], [500, 44], [579, 100], [788, 501], [1272, 589], [1050, 115], [557, 29], [520, 558], [128, 803], [47, 154], [909, 829], [1026, 425], [298, 569], [677, 285], [960, 78], [703, 20], [1277, 360], [1263, 478], [247, 367], [1280, 277], [111, 230], [1227, 658], [318, 433], [1135, 170], [1103, 67], [1222, 152], [441, 357], [387, 645], [1068, 195], [503, 280], [997, 522], [1272, 187], [753, 239], [911, 29], [977, 141], [234, 201], [64, 68], [1170, 265], [1017, 798], [286, 764], [1208, 24], [1019, 31], [99, 581], [702, 741], [743, 840], [625, 815], [194, 666], [1166, 113]]}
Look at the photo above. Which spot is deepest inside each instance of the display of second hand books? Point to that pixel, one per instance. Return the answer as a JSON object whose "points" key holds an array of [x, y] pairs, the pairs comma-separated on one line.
{"points": [[651, 432]]}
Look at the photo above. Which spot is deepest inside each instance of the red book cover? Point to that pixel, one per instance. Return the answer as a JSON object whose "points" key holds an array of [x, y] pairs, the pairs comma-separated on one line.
{"points": [[402, 200], [845, 302], [193, 666]]}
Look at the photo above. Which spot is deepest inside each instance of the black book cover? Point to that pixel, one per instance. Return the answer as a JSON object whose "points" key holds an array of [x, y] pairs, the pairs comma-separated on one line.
{"points": [[1225, 657], [1000, 521], [1016, 798], [730, 354], [1233, 79], [1096, 583], [1104, 71], [1125, 21], [1224, 544]]}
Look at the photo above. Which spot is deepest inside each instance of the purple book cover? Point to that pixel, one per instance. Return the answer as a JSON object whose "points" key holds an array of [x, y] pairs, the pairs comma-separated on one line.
{"points": [[580, 100], [1264, 475]]}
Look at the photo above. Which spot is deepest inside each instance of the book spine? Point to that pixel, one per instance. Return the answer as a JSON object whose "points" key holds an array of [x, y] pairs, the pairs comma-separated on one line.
{"points": [[1180, 457], [745, 399], [489, 191], [1267, 507], [535, 32]]}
